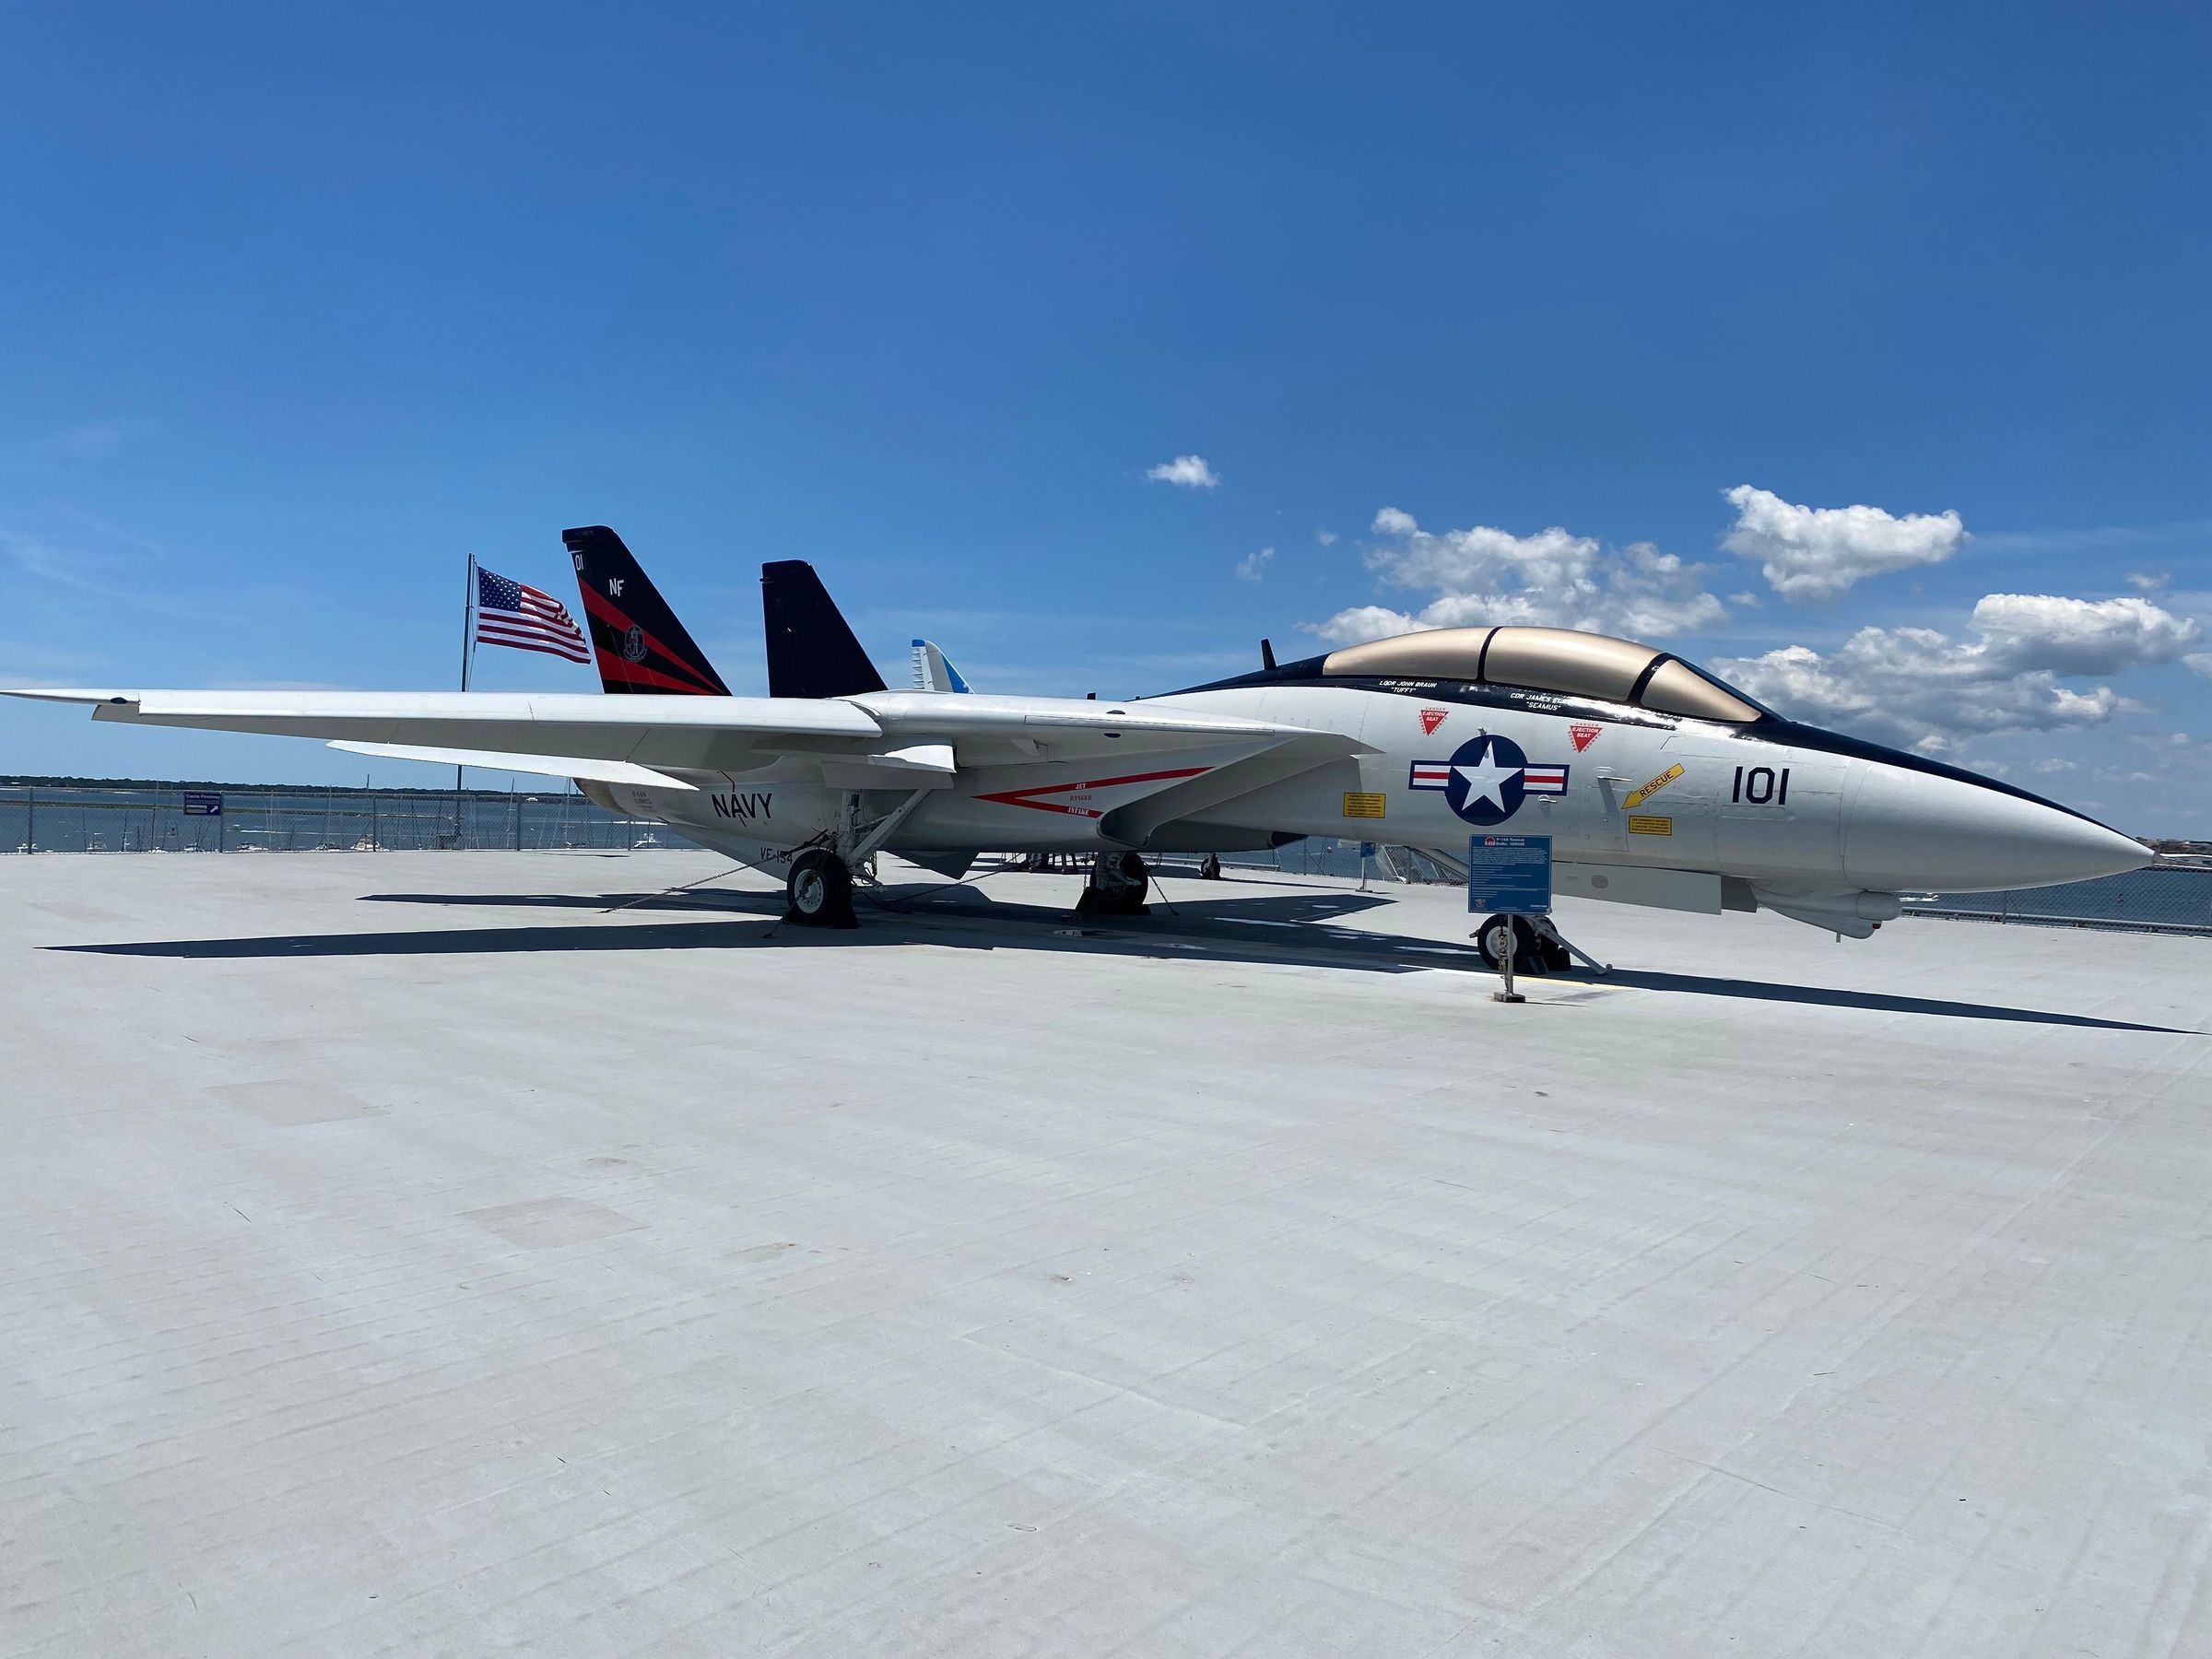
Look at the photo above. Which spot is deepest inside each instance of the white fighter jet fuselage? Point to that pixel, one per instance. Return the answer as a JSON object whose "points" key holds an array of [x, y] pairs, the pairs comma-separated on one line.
{"points": [[1641, 806], [1657, 784]]}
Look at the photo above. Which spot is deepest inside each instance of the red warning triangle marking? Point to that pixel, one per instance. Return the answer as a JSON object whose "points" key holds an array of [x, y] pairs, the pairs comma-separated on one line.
{"points": [[1583, 736], [1432, 719]]}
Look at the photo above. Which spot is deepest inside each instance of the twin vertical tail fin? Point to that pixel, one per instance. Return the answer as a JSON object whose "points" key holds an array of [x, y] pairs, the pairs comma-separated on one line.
{"points": [[640, 646], [643, 649], [811, 650]]}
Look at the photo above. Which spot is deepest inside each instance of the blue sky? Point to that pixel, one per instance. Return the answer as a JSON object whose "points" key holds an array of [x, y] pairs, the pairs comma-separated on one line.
{"points": [[303, 304]]}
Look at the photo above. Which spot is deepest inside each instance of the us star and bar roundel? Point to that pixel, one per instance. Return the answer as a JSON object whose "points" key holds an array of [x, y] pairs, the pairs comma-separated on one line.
{"points": [[1488, 778]]}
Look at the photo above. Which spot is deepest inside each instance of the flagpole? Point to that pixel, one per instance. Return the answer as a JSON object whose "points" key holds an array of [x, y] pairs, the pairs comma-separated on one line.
{"points": [[468, 650]]}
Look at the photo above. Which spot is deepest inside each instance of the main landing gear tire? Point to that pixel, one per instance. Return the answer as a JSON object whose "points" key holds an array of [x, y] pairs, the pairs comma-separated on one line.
{"points": [[1117, 887], [1532, 953], [819, 891]]}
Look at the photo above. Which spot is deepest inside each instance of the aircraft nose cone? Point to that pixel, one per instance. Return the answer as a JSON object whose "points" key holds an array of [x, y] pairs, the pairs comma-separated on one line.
{"points": [[1910, 830]]}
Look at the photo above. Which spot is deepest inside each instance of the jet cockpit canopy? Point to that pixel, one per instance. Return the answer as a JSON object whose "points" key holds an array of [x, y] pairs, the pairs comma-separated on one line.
{"points": [[1551, 659]]}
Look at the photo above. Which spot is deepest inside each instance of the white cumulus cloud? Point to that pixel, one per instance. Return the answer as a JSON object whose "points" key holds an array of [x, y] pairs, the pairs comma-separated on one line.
{"points": [[1189, 470], [2080, 636], [1252, 566], [2199, 662], [1807, 553], [1485, 575], [1921, 686]]}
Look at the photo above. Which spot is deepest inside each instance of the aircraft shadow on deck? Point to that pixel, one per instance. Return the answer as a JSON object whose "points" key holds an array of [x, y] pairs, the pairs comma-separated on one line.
{"points": [[955, 916]]}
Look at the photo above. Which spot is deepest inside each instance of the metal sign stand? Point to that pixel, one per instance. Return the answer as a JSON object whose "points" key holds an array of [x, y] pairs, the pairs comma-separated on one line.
{"points": [[1509, 876], [1505, 964]]}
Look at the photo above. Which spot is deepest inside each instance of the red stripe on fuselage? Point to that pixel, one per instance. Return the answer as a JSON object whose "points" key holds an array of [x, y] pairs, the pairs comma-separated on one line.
{"points": [[1025, 797]]}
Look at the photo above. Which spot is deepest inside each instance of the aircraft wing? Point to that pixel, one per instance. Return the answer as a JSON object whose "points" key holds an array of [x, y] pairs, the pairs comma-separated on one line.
{"points": [[710, 734], [543, 766]]}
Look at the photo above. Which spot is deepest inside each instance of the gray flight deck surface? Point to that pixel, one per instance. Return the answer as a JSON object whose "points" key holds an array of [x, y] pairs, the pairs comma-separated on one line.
{"points": [[400, 1255]]}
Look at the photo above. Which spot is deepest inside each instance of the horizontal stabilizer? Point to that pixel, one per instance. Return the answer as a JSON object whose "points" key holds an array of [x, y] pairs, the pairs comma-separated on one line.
{"points": [[548, 766]]}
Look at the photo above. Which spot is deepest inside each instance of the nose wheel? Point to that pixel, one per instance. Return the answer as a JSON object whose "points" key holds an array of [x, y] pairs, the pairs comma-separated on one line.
{"points": [[1533, 952], [819, 891]]}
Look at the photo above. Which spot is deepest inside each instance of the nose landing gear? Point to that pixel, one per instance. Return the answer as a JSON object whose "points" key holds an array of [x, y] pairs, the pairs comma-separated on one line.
{"points": [[1534, 951]]}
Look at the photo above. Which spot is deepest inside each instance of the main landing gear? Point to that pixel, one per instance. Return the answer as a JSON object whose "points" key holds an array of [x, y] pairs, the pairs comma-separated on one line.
{"points": [[819, 891], [1116, 888]]}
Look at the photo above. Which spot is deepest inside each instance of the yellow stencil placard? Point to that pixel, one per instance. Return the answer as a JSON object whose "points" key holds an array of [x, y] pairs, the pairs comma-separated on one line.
{"points": [[1641, 825], [1653, 788], [1358, 804]]}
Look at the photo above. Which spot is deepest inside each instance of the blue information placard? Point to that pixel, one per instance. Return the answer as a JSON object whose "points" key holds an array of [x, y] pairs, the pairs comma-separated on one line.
{"points": [[202, 803], [1509, 873]]}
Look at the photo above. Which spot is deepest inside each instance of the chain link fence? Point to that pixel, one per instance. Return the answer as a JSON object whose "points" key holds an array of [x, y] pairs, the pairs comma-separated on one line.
{"points": [[186, 820], [190, 819], [2167, 900]]}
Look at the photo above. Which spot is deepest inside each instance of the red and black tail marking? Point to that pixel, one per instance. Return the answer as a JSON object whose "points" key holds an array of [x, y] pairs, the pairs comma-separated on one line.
{"points": [[641, 648]]}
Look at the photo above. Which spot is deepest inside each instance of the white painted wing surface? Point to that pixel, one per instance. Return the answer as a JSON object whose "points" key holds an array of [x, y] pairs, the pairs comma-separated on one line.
{"points": [[543, 766], [703, 734]]}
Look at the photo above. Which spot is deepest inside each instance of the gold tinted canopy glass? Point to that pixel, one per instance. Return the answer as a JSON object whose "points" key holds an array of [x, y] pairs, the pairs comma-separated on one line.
{"points": [[1559, 659], [1440, 654], [1564, 659], [1675, 688]]}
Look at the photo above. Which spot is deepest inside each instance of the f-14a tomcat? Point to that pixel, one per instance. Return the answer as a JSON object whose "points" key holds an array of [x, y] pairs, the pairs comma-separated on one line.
{"points": [[1658, 782]]}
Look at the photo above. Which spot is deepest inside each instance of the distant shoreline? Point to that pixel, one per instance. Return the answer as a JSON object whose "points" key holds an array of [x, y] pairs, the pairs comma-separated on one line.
{"points": [[550, 787]]}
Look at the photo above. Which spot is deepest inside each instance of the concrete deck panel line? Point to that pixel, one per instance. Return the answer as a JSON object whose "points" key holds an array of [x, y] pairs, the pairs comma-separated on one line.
{"points": [[404, 1255]]}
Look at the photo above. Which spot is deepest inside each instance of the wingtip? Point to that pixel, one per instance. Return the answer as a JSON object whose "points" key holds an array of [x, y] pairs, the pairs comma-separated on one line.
{"points": [[69, 694]]}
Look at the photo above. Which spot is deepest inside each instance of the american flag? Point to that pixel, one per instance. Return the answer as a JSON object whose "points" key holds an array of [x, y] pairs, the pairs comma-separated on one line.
{"points": [[513, 613]]}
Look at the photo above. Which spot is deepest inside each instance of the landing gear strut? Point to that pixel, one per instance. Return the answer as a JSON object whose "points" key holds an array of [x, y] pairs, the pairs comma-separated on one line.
{"points": [[819, 891], [1116, 887]]}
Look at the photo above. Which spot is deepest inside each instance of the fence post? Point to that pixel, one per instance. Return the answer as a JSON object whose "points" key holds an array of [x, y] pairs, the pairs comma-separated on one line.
{"points": [[31, 823]]}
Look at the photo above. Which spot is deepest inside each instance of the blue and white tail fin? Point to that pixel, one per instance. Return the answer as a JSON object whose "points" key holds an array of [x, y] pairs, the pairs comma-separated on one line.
{"points": [[933, 672]]}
